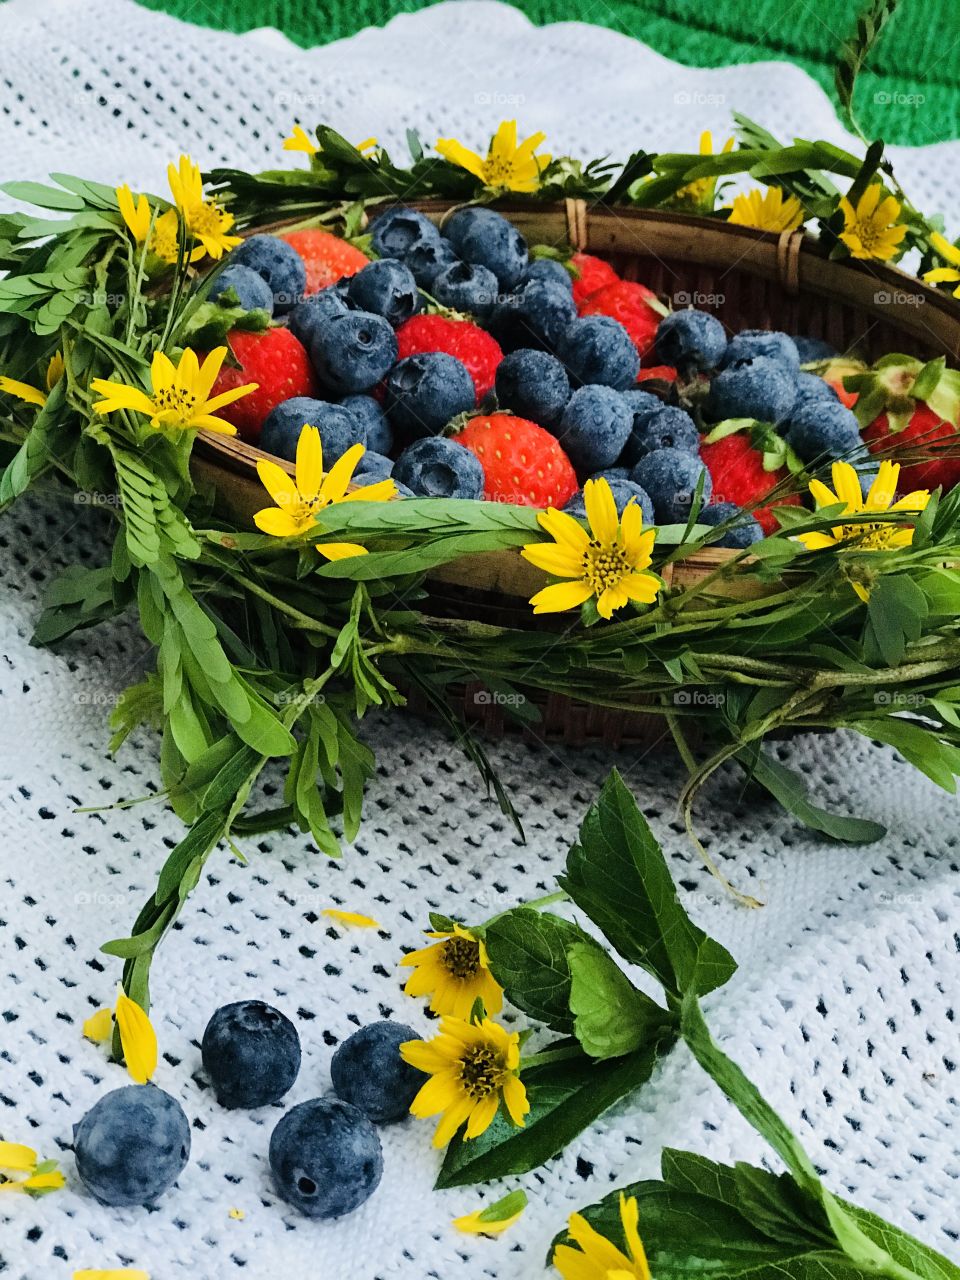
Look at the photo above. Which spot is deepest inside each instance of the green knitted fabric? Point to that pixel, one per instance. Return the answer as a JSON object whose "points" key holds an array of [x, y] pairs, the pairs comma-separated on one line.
{"points": [[911, 94]]}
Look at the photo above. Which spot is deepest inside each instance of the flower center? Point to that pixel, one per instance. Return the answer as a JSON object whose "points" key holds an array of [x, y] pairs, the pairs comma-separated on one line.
{"points": [[604, 565], [164, 243], [482, 1071], [498, 172], [462, 957], [871, 537], [176, 402], [208, 219], [869, 232]]}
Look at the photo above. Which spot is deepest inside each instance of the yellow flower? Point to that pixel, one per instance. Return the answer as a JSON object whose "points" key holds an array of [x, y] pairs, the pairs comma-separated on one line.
{"points": [[471, 1067], [179, 395], [165, 237], [596, 1258], [606, 564], [137, 1038], [299, 500], [882, 536], [455, 971], [493, 1219], [767, 210], [507, 166], [99, 1026], [351, 918], [870, 230], [123, 1273], [205, 220], [300, 140], [950, 253], [701, 191], [30, 394]]}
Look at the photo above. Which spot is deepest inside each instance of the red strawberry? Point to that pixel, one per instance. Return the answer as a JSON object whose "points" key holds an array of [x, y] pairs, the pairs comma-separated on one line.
{"points": [[326, 257], [744, 473], [522, 463], [594, 274], [277, 362], [478, 350], [909, 409], [663, 372], [628, 302]]}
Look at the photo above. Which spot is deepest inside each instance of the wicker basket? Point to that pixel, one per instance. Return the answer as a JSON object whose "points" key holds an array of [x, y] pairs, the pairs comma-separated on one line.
{"points": [[749, 279]]}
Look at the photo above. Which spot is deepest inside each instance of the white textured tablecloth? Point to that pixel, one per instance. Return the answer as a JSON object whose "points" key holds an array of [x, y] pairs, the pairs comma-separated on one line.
{"points": [[845, 1007]]}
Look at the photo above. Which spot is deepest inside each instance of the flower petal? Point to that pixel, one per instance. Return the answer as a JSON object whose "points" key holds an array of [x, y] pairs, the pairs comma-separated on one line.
{"points": [[561, 596], [560, 560], [280, 486], [99, 1026], [277, 523], [601, 510], [340, 550], [17, 1157], [341, 473], [309, 463], [456, 153], [354, 918], [137, 1038]]}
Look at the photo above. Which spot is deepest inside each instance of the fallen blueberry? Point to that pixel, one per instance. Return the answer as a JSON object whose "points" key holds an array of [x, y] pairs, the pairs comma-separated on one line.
{"points": [[326, 1158], [368, 1072], [251, 1052], [131, 1145]]}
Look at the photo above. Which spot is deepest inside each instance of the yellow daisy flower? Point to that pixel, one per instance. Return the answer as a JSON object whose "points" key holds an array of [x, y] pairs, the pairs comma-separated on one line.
{"points": [[606, 564], [701, 191], [471, 1068], [506, 166], [596, 1258], [300, 140], [179, 398], [871, 230], [882, 536], [950, 253], [299, 500], [455, 972], [204, 220], [767, 210], [30, 394], [165, 237]]}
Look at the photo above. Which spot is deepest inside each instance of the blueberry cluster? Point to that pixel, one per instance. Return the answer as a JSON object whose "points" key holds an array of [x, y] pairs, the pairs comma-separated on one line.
{"points": [[324, 1153]]}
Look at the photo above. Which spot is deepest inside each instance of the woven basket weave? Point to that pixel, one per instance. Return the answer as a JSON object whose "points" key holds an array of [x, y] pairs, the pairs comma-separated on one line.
{"points": [[749, 279]]}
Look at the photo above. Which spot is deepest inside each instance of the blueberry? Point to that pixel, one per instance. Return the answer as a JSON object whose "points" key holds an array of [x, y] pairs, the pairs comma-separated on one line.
{"points": [[823, 430], [758, 388], [252, 291], [812, 350], [810, 387], [691, 340], [425, 391], [387, 288], [536, 315], [399, 230], [379, 434], [466, 286], [368, 1072], [427, 259], [338, 428], [642, 405], [352, 352], [548, 269], [326, 1158], [670, 477], [594, 427], [131, 1145], [623, 490], [373, 466], [479, 235], [307, 316], [762, 342], [612, 473], [437, 467], [279, 264], [665, 427], [533, 384], [744, 533], [251, 1052], [598, 349]]}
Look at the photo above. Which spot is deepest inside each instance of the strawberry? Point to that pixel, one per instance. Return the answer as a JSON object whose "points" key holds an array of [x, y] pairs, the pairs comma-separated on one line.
{"points": [[326, 257], [911, 410], [662, 372], [476, 348], [594, 274], [277, 362], [521, 462], [745, 465], [630, 303]]}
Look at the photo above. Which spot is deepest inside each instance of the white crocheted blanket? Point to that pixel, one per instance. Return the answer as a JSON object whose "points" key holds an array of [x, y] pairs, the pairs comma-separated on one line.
{"points": [[845, 1007]]}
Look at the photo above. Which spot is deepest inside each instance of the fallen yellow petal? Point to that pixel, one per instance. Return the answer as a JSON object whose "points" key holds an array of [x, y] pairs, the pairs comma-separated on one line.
{"points": [[351, 917], [137, 1038], [99, 1026], [236, 1214], [52, 1181], [123, 1273], [14, 1155]]}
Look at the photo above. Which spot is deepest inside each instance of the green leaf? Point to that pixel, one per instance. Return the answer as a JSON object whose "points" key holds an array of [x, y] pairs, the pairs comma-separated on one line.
{"points": [[790, 789], [896, 611], [527, 950], [612, 1017], [564, 1097], [855, 51], [617, 874], [918, 744]]}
